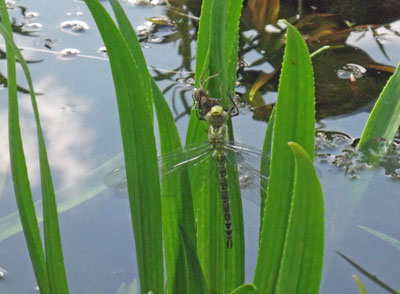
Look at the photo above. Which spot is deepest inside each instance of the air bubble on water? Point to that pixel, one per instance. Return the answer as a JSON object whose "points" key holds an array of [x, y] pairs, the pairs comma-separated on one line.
{"points": [[2, 272], [103, 51], [31, 15], [32, 27], [69, 52], [74, 26]]}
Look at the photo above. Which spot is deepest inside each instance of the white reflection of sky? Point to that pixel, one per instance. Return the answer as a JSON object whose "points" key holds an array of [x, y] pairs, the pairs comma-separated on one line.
{"points": [[68, 140]]}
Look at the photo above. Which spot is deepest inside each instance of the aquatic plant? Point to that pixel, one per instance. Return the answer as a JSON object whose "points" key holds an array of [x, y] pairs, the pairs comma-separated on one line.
{"points": [[181, 216]]}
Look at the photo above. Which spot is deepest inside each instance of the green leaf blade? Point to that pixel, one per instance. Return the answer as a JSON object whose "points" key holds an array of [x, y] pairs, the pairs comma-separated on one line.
{"points": [[177, 203], [294, 121], [384, 119], [133, 96], [302, 260], [53, 246], [18, 165]]}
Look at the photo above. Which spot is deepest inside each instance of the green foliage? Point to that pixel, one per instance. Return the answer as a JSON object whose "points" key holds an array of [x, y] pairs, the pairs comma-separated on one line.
{"points": [[291, 241], [392, 241], [383, 121], [360, 285], [134, 99], [49, 268], [294, 121], [217, 37], [301, 264], [245, 289]]}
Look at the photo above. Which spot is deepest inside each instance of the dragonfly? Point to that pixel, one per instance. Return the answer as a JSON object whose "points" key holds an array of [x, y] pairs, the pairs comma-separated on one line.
{"points": [[217, 147]]}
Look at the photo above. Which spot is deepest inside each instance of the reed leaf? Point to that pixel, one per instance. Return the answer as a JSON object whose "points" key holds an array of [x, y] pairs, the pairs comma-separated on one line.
{"points": [[223, 269], [53, 246], [245, 289], [134, 94], [301, 265], [294, 121], [383, 121], [19, 171]]}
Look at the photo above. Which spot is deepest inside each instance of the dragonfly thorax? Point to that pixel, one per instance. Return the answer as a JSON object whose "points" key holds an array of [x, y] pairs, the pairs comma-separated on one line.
{"points": [[217, 117]]}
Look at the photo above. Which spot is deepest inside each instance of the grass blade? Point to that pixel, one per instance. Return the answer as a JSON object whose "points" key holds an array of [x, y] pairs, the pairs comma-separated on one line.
{"points": [[301, 266], [360, 285], [392, 241], [266, 165], [195, 278], [245, 289], [177, 203], [383, 121], [18, 167], [133, 96], [223, 269], [294, 121], [177, 206], [53, 246]]}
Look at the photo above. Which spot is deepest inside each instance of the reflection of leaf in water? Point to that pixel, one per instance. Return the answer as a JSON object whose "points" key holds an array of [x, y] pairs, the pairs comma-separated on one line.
{"points": [[392, 241], [132, 288], [367, 274], [68, 197]]}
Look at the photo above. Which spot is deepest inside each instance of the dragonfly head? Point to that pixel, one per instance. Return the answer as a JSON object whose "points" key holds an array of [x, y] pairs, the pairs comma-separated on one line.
{"points": [[217, 116]]}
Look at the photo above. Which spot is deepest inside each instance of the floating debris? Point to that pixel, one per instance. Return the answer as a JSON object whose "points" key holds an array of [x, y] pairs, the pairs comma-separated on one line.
{"points": [[2, 272], [351, 71], [69, 52], [103, 51], [160, 21], [153, 25], [145, 2], [10, 4], [32, 27], [31, 15], [48, 42], [74, 26]]}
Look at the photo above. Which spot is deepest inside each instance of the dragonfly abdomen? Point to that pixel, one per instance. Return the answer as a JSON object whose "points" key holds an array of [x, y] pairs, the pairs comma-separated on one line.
{"points": [[223, 185]]}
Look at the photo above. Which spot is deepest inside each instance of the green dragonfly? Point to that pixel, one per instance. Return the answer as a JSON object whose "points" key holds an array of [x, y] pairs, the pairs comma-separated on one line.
{"points": [[218, 147]]}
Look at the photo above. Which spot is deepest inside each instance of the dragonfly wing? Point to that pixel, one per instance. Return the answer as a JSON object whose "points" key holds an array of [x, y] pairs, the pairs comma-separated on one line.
{"points": [[178, 159], [168, 164], [248, 160], [116, 176]]}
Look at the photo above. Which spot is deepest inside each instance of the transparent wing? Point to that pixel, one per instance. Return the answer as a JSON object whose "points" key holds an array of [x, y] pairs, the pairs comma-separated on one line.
{"points": [[191, 155], [170, 163], [248, 163], [247, 158]]}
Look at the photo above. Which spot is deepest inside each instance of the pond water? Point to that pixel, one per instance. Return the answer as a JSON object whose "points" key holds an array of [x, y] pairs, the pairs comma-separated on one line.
{"points": [[80, 121]]}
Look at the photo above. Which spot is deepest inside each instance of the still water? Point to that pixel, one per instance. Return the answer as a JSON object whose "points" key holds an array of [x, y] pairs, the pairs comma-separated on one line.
{"points": [[79, 116]]}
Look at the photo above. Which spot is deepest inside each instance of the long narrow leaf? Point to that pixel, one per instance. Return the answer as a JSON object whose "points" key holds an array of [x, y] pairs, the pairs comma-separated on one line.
{"points": [[53, 246], [294, 121], [223, 269], [194, 273], [301, 266], [266, 165], [383, 121], [177, 204], [245, 289], [133, 96], [18, 167]]}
